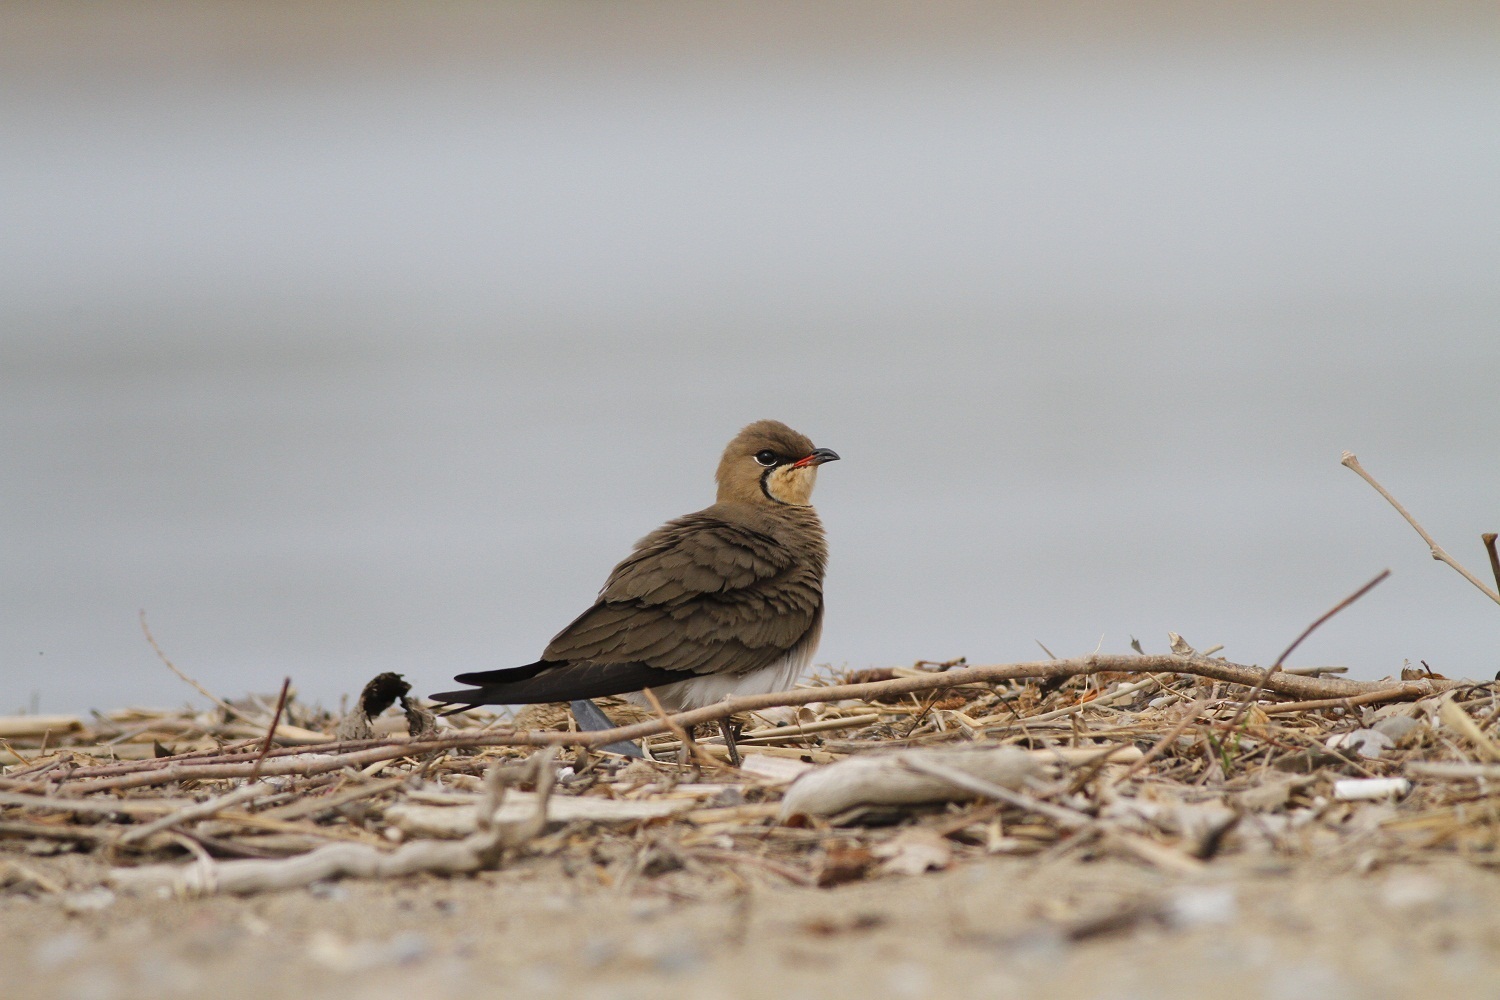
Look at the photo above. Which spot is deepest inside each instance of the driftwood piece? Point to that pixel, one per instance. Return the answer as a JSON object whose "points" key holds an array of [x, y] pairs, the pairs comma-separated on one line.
{"points": [[890, 779], [95, 807], [19, 727], [255, 875], [480, 850], [418, 820]]}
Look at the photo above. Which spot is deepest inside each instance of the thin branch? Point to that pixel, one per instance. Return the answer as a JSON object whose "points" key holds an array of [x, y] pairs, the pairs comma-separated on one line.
{"points": [[1293, 707], [197, 811], [229, 710], [1160, 745], [1273, 668], [1489, 546], [18, 754], [1340, 606], [286, 685], [1437, 550]]}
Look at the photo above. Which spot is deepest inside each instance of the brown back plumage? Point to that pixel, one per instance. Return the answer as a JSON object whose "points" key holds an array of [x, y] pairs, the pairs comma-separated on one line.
{"points": [[730, 589]]}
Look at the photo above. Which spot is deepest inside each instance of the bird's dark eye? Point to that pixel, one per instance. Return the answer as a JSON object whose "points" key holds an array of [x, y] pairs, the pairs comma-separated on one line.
{"points": [[766, 457]]}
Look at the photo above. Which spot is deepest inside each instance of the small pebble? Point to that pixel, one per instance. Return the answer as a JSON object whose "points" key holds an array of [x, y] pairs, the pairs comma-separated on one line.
{"points": [[1397, 727], [647, 909]]}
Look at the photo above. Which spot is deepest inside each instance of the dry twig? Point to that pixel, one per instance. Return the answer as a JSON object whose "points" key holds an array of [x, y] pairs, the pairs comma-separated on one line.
{"points": [[286, 686], [229, 710], [1437, 550]]}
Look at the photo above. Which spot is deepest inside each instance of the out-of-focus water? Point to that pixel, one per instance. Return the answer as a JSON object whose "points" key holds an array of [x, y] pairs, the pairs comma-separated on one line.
{"points": [[368, 367]]}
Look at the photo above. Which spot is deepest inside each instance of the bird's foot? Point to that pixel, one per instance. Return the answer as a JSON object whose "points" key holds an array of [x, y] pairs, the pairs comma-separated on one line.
{"points": [[731, 731], [591, 719]]}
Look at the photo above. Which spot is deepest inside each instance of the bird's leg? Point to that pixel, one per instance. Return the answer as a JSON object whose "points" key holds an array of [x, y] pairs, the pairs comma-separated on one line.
{"points": [[731, 731], [591, 720]]}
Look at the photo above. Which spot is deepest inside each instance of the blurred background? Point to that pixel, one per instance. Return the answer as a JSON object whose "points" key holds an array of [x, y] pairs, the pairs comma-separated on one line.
{"points": [[343, 338]]}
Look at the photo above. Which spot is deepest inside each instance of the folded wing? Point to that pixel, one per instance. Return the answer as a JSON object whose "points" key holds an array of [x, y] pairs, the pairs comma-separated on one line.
{"points": [[698, 595]]}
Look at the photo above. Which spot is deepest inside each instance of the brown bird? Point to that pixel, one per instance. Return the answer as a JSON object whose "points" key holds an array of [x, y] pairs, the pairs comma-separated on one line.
{"points": [[723, 602]]}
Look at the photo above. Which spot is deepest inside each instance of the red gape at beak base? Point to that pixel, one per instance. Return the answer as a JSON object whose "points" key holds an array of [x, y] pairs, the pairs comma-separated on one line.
{"points": [[818, 457]]}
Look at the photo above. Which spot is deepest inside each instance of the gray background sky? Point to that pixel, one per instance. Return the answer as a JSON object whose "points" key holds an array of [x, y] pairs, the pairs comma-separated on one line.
{"points": [[344, 339]]}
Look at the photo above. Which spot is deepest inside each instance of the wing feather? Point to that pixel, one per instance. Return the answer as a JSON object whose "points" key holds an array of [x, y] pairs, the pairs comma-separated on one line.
{"points": [[700, 595]]}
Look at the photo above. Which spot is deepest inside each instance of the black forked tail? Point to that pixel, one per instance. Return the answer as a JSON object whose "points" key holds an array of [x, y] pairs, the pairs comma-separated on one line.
{"points": [[546, 681]]}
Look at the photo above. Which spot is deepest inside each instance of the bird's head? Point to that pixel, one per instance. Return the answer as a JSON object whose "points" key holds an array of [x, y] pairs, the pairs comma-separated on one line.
{"points": [[770, 463]]}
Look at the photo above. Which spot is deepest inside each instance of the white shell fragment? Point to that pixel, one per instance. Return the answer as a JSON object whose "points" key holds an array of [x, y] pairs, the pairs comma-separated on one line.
{"points": [[1368, 743], [1365, 789]]}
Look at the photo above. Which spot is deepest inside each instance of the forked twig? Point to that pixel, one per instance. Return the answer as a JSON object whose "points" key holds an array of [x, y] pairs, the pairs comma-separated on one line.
{"points": [[1437, 550]]}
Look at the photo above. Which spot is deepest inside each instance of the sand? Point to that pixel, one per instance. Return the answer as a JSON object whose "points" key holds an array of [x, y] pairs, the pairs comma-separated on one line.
{"points": [[1038, 927]]}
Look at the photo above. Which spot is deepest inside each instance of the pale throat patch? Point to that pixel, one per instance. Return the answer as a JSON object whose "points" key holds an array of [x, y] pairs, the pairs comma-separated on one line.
{"points": [[793, 486]]}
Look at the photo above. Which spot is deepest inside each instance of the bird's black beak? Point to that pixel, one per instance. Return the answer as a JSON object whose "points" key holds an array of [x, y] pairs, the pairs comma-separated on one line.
{"points": [[818, 457]]}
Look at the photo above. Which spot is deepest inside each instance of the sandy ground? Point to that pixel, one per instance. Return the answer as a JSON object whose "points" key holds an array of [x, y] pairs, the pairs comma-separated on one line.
{"points": [[999, 927]]}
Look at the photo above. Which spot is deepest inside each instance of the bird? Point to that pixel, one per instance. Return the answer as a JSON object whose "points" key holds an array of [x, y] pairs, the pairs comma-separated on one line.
{"points": [[722, 602]]}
